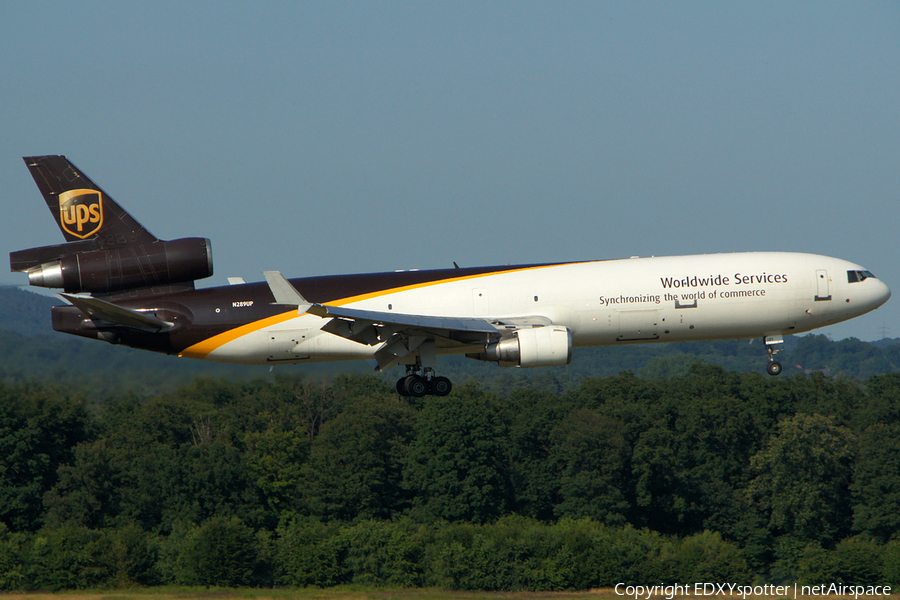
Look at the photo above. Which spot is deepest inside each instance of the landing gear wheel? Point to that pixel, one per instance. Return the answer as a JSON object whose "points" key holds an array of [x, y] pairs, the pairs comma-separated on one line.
{"points": [[774, 344], [441, 386], [401, 387], [415, 385]]}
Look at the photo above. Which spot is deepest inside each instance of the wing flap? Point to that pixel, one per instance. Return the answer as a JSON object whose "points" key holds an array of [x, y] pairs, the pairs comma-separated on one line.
{"points": [[459, 324]]}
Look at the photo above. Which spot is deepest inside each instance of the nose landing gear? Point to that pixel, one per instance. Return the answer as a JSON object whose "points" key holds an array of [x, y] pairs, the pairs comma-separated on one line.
{"points": [[773, 347]]}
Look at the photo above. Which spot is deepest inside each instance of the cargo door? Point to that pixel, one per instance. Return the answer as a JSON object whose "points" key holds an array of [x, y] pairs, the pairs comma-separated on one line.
{"points": [[638, 325], [288, 344]]}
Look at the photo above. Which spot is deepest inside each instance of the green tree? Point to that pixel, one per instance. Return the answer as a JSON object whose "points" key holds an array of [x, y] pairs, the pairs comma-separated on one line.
{"points": [[853, 561], [39, 427], [514, 553], [704, 556], [690, 463], [859, 561], [13, 559], [838, 397], [882, 401], [876, 484], [275, 461], [130, 556], [458, 465], [386, 553], [89, 491], [802, 478], [355, 469], [891, 562], [627, 555], [310, 552], [212, 481], [590, 456], [67, 557], [221, 552], [533, 416]]}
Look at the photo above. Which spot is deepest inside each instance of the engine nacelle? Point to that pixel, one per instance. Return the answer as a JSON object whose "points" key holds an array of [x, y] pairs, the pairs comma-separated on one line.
{"points": [[126, 267], [535, 347]]}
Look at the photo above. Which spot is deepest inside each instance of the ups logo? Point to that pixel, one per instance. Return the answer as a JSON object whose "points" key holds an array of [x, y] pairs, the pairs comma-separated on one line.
{"points": [[81, 212]]}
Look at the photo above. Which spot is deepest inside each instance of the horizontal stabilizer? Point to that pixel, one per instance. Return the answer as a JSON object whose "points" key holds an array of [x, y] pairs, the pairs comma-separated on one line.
{"points": [[119, 315]]}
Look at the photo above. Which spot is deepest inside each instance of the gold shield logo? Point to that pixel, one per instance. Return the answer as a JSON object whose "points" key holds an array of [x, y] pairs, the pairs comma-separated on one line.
{"points": [[81, 212]]}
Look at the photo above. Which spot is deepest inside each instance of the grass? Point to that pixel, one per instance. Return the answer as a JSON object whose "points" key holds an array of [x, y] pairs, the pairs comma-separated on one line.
{"points": [[337, 593], [352, 593]]}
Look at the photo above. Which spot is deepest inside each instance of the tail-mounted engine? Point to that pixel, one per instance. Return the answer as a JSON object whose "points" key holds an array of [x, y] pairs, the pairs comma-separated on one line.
{"points": [[77, 267], [536, 347]]}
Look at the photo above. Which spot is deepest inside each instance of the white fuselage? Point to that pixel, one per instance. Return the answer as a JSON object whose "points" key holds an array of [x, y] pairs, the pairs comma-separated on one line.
{"points": [[637, 300]]}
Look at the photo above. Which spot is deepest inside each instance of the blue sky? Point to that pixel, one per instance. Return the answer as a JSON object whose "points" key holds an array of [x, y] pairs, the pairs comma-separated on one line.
{"points": [[330, 137]]}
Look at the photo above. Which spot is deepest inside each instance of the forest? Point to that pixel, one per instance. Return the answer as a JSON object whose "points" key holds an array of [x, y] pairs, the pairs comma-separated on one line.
{"points": [[649, 463], [704, 475]]}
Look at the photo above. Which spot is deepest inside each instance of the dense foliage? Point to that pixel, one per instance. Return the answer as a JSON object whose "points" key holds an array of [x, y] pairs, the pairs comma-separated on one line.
{"points": [[706, 476]]}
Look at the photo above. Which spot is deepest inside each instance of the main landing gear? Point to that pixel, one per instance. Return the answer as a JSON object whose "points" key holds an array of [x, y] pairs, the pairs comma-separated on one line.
{"points": [[416, 385], [773, 347]]}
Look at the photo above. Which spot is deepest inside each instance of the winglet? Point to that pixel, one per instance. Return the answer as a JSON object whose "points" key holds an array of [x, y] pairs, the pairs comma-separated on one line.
{"points": [[284, 292]]}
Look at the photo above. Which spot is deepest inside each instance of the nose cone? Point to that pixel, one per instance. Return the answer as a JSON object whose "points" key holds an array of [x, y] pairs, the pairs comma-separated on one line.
{"points": [[872, 294], [882, 294]]}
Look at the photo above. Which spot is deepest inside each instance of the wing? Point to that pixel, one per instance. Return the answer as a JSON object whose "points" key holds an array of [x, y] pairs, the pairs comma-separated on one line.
{"points": [[406, 321], [399, 334]]}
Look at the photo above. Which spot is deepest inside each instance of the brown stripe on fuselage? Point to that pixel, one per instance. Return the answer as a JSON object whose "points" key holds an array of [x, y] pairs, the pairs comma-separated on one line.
{"points": [[331, 288]]}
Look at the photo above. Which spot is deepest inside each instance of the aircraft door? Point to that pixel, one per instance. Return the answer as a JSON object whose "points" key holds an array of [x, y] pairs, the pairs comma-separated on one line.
{"points": [[823, 291], [288, 344], [638, 325]]}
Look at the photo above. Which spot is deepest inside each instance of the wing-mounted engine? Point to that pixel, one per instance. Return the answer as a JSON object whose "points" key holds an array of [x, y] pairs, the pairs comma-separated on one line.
{"points": [[533, 347], [78, 267]]}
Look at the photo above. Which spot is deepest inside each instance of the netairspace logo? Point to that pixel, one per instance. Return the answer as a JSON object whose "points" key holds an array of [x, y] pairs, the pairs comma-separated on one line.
{"points": [[736, 590]]}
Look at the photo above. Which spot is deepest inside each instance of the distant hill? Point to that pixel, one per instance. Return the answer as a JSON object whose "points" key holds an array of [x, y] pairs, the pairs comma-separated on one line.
{"points": [[885, 342], [25, 312], [31, 351]]}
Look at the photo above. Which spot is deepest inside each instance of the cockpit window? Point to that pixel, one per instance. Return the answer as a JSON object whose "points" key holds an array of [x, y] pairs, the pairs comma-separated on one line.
{"points": [[857, 276]]}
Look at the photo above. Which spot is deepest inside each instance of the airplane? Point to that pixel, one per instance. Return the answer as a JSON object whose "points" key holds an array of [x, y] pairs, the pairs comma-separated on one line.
{"points": [[125, 286]]}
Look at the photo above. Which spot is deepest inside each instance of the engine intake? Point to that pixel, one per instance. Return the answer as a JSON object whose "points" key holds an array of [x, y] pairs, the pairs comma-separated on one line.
{"points": [[124, 267], [536, 347]]}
